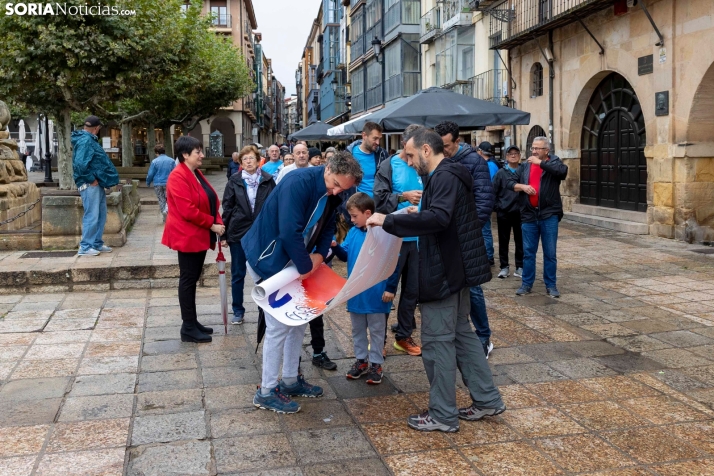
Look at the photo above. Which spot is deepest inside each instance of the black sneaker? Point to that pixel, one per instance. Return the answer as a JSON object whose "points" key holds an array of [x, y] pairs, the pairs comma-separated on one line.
{"points": [[395, 327], [375, 375], [553, 292], [492, 262], [323, 361], [358, 369], [487, 348]]}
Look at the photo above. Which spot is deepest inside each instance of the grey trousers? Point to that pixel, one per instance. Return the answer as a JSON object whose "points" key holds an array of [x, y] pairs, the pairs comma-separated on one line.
{"points": [[375, 323], [448, 342], [281, 344], [160, 191]]}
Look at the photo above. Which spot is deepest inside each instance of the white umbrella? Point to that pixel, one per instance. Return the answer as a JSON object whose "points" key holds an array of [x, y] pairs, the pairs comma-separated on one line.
{"points": [[340, 129], [21, 139], [39, 143], [51, 129]]}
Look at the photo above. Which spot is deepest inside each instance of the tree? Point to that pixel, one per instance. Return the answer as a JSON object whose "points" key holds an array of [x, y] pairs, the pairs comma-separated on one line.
{"points": [[63, 63]]}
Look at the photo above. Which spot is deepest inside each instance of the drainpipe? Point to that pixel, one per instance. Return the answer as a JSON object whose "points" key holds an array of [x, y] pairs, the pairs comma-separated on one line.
{"points": [[510, 95], [551, 81]]}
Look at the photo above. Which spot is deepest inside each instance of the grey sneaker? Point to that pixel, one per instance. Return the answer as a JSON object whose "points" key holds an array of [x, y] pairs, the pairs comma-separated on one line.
{"points": [[553, 292], [424, 422], [518, 273], [474, 413], [105, 249], [523, 290], [89, 252], [504, 272], [237, 319]]}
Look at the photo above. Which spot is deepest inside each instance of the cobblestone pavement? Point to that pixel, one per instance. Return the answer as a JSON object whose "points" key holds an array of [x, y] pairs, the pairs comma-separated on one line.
{"points": [[616, 378]]}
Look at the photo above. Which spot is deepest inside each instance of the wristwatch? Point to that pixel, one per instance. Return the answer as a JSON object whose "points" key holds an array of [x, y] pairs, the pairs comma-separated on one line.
{"points": [[401, 199]]}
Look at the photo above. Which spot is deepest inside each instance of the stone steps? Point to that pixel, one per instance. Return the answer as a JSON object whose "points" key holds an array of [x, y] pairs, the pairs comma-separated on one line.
{"points": [[623, 221]]}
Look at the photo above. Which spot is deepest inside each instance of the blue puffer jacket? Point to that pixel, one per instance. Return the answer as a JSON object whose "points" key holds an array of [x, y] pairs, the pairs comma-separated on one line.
{"points": [[159, 170], [90, 162], [483, 188], [276, 236]]}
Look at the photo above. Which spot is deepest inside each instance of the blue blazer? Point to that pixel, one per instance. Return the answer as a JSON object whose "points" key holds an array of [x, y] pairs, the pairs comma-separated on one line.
{"points": [[276, 236]]}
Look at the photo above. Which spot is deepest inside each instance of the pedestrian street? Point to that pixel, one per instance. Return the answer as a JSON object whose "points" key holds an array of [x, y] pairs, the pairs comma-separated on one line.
{"points": [[616, 378]]}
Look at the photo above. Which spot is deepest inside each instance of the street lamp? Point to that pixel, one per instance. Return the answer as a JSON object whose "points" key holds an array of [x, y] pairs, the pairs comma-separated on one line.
{"points": [[334, 84], [377, 48]]}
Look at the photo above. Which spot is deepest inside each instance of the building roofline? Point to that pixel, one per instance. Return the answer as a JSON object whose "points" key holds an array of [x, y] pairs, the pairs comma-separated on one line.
{"points": [[251, 14]]}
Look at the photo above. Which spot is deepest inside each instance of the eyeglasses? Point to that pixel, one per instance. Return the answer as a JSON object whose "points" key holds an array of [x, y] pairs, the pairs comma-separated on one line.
{"points": [[539, 148]]}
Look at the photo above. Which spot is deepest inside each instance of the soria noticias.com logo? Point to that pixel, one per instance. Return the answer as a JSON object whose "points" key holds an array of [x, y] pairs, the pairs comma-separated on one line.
{"points": [[52, 9]]}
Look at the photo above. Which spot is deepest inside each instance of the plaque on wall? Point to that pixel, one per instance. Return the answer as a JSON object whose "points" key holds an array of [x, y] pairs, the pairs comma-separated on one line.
{"points": [[662, 103], [645, 65]]}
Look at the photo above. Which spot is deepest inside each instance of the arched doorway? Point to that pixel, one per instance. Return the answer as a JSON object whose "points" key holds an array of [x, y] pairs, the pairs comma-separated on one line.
{"points": [[613, 168]]}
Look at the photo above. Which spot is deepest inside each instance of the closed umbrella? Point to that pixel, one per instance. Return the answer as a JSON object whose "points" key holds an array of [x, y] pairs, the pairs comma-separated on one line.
{"points": [[21, 139], [221, 264], [317, 131], [39, 142], [432, 106], [51, 133], [261, 328]]}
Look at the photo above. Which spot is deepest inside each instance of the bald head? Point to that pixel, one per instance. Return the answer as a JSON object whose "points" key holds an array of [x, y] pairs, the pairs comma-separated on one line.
{"points": [[300, 155], [274, 153]]}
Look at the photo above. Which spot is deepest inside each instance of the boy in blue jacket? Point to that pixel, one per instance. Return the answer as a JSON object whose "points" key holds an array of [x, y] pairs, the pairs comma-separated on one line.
{"points": [[370, 308], [159, 171]]}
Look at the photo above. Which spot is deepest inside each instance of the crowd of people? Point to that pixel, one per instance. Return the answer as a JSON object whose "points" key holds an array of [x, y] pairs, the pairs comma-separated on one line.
{"points": [[304, 206]]}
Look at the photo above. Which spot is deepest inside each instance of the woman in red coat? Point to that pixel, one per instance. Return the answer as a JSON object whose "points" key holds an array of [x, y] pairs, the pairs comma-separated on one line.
{"points": [[191, 227]]}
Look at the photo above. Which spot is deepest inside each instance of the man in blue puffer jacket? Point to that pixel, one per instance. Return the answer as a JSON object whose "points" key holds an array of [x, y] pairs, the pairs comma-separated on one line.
{"points": [[485, 198], [159, 171], [93, 172]]}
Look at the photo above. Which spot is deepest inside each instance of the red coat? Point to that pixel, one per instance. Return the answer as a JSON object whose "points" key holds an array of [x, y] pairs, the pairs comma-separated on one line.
{"points": [[189, 219]]}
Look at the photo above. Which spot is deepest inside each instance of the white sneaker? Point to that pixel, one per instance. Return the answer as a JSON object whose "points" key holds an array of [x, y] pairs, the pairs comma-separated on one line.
{"points": [[89, 252], [105, 249], [519, 272], [504, 272]]}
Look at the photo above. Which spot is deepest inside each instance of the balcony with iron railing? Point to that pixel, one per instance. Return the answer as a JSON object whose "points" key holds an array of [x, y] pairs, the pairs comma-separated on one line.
{"points": [[489, 86], [455, 13], [518, 21], [221, 20], [430, 25]]}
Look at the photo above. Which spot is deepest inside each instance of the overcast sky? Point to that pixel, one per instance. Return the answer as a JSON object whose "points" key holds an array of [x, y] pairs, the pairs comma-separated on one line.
{"points": [[285, 25]]}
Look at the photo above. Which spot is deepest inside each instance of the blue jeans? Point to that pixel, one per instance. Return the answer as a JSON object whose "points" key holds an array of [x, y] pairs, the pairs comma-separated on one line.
{"points": [[237, 277], [488, 238], [478, 314], [94, 201], [547, 231]]}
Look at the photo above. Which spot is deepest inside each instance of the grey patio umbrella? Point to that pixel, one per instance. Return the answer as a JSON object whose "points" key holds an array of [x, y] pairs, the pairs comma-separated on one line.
{"points": [[317, 131], [431, 106]]}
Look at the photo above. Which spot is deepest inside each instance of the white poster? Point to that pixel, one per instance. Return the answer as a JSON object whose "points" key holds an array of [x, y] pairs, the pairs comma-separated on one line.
{"points": [[294, 302]]}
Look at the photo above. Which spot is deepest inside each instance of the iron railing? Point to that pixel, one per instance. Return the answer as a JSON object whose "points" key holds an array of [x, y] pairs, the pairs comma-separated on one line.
{"points": [[491, 85], [515, 22], [222, 20]]}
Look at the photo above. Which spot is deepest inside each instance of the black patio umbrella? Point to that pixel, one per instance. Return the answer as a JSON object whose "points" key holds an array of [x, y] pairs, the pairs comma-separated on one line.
{"points": [[317, 131], [431, 106]]}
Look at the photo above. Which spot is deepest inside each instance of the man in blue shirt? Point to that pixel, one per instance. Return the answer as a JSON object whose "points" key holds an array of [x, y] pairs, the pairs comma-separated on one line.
{"points": [[397, 186], [159, 171], [369, 155], [274, 165]]}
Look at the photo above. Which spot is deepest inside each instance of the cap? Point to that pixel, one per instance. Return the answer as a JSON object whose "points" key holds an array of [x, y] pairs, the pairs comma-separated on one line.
{"points": [[313, 152], [92, 121], [513, 147], [486, 148]]}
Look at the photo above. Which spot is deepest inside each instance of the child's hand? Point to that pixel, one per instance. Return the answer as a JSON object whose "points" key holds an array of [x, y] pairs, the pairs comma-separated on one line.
{"points": [[387, 296]]}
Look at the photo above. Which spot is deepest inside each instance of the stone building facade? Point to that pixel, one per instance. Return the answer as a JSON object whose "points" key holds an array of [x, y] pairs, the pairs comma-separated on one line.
{"points": [[633, 120]]}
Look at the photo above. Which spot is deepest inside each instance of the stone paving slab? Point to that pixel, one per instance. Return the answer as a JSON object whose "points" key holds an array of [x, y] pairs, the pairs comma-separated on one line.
{"points": [[615, 378]]}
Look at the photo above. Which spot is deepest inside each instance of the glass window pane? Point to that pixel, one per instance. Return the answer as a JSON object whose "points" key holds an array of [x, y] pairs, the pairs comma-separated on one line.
{"points": [[391, 59]]}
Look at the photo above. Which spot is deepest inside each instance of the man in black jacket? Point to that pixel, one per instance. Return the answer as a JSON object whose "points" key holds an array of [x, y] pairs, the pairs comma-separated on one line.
{"points": [[463, 154], [452, 258], [541, 210], [508, 213]]}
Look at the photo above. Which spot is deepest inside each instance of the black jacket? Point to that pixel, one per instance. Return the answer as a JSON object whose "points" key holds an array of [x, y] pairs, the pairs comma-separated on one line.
{"points": [[549, 203], [507, 200], [482, 187], [385, 200], [452, 255], [237, 216]]}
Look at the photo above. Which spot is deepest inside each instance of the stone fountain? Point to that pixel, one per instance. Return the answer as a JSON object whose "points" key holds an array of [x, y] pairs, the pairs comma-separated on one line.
{"points": [[16, 194]]}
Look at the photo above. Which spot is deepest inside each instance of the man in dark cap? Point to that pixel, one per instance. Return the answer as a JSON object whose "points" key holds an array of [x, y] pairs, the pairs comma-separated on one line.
{"points": [[93, 172], [508, 213]]}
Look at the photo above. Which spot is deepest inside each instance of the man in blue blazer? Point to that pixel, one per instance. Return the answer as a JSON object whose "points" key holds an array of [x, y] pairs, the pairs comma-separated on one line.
{"points": [[296, 224]]}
